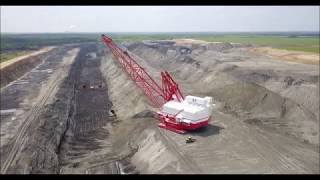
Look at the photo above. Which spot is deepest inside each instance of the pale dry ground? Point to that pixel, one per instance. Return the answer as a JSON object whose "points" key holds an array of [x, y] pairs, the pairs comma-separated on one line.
{"points": [[24, 57], [189, 41], [288, 55]]}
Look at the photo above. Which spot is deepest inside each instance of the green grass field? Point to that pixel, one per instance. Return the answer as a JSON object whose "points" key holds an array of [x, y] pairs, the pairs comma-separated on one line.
{"points": [[306, 44], [10, 55]]}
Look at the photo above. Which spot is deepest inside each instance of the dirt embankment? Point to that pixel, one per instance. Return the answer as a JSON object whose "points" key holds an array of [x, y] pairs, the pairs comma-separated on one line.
{"points": [[17, 67]]}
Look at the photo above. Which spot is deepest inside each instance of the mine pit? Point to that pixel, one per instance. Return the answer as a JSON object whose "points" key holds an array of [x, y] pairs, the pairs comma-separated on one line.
{"points": [[74, 110]]}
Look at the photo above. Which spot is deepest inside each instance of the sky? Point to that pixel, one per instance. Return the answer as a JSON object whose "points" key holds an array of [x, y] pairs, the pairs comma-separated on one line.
{"points": [[31, 19]]}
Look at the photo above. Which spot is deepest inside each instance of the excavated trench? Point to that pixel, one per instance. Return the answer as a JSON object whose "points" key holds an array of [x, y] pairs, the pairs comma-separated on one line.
{"points": [[71, 133], [86, 146], [86, 143]]}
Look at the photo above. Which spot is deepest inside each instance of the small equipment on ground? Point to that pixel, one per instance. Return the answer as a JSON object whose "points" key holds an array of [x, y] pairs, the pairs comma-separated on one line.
{"points": [[190, 140]]}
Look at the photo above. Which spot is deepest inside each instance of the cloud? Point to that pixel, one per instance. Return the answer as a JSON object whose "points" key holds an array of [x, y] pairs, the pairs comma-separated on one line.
{"points": [[72, 26]]}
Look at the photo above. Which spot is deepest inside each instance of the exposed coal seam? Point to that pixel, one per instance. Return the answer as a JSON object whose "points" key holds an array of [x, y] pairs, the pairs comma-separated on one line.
{"points": [[71, 111], [73, 123], [64, 95]]}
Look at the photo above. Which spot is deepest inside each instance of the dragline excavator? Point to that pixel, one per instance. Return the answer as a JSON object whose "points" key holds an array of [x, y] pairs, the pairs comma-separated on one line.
{"points": [[176, 112]]}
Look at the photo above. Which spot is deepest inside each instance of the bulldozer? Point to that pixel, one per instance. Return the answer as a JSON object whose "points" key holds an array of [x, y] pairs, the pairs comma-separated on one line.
{"points": [[190, 140]]}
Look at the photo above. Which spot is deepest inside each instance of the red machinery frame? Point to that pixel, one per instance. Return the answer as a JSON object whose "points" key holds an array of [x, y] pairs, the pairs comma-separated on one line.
{"points": [[156, 94]]}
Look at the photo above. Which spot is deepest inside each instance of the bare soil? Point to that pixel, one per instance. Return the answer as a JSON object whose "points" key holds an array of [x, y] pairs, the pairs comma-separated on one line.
{"points": [[286, 55]]}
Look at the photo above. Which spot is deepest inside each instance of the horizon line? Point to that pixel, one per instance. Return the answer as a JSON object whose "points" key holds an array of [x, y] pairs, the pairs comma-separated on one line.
{"points": [[296, 31]]}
